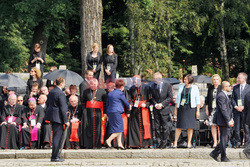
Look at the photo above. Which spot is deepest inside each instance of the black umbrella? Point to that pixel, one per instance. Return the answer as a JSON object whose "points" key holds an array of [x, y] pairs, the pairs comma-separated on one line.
{"points": [[71, 78], [172, 81], [10, 80], [202, 79]]}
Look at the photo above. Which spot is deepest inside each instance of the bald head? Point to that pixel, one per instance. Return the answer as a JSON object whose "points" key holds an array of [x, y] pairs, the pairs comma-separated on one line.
{"points": [[73, 100], [42, 99], [226, 86], [12, 99]]}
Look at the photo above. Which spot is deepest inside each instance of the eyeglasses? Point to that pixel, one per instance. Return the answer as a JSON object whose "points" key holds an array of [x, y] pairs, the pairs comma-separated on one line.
{"points": [[19, 100]]}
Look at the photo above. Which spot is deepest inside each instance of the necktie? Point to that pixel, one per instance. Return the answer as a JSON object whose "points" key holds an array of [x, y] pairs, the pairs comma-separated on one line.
{"points": [[241, 90]]}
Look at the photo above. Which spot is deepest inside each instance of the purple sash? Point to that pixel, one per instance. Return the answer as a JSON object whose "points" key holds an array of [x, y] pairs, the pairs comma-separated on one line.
{"points": [[34, 131]]}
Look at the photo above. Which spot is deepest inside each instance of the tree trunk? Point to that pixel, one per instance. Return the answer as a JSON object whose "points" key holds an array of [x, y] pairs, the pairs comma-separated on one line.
{"points": [[91, 24], [39, 37], [223, 48], [132, 44]]}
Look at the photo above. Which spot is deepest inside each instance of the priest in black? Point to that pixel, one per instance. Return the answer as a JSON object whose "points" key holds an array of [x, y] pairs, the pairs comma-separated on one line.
{"points": [[94, 124], [161, 92], [10, 124], [139, 131], [32, 118]]}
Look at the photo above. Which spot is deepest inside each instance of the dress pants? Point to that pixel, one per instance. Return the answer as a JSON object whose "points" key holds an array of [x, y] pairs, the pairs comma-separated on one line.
{"points": [[238, 123], [57, 137], [224, 138], [161, 122]]}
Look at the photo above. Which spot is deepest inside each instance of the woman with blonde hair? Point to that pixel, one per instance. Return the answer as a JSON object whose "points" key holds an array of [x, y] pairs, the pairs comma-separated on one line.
{"points": [[212, 92], [94, 61], [110, 64], [37, 58], [35, 76]]}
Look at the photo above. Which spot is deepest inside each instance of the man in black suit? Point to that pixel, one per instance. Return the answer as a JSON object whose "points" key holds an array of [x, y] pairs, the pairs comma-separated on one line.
{"points": [[223, 118], [161, 92], [239, 92], [56, 113], [85, 83], [246, 111]]}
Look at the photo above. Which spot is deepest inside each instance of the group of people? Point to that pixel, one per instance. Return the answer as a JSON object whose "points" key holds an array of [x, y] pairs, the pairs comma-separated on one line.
{"points": [[141, 116]]}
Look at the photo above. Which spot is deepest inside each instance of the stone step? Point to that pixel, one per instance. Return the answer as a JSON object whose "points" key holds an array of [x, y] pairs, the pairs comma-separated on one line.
{"points": [[197, 153], [124, 162]]}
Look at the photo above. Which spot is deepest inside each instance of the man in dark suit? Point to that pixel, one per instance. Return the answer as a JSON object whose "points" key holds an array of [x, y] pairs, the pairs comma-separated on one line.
{"points": [[85, 83], [246, 111], [223, 118], [161, 92], [239, 92], [56, 113]]}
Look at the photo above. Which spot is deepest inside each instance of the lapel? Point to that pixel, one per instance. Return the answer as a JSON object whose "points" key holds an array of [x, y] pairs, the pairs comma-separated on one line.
{"points": [[245, 91]]}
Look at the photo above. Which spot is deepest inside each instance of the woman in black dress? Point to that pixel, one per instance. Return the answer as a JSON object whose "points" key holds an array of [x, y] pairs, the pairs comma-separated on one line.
{"points": [[187, 109], [35, 76], [94, 60], [212, 92], [110, 64], [37, 58]]}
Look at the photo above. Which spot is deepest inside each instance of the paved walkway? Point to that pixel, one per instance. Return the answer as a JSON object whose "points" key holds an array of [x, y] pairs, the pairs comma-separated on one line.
{"points": [[124, 162]]}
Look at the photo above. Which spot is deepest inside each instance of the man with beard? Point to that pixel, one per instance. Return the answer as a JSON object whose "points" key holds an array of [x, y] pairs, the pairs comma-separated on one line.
{"points": [[94, 124], [139, 131], [75, 115], [10, 121], [32, 118]]}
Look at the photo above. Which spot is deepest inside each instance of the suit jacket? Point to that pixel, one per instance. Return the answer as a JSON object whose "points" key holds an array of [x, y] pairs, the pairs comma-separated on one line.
{"points": [[209, 99], [164, 97], [115, 101], [17, 111], [56, 106], [83, 86], [236, 96], [223, 113], [246, 110]]}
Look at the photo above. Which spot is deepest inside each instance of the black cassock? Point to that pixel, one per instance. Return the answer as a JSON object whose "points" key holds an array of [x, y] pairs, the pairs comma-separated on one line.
{"points": [[46, 132], [92, 115], [29, 136], [139, 123], [10, 132], [75, 112]]}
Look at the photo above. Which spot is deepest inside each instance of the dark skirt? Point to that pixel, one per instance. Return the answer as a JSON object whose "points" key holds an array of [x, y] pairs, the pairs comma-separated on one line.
{"points": [[186, 117], [115, 122]]}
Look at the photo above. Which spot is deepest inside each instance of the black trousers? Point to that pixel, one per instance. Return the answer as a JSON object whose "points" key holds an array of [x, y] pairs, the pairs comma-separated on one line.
{"points": [[162, 128], [224, 138], [238, 123], [57, 137]]}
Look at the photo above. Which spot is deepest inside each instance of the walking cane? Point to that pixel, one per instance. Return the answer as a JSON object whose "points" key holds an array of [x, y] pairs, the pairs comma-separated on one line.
{"points": [[65, 132], [153, 125]]}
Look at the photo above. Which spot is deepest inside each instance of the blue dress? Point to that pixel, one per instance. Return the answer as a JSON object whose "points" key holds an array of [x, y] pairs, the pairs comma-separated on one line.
{"points": [[115, 101]]}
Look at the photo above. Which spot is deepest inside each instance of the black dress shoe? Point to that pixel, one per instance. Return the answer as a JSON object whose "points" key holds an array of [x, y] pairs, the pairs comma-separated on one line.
{"points": [[214, 157], [57, 160], [225, 160], [247, 154]]}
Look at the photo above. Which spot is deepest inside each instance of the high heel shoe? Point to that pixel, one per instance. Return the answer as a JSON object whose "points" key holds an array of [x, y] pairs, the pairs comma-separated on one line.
{"points": [[121, 148], [107, 146]]}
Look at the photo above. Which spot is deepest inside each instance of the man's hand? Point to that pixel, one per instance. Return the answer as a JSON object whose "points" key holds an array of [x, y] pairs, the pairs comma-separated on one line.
{"points": [[239, 108], [197, 114], [143, 105], [108, 72], [24, 126], [31, 94], [94, 71], [105, 116], [231, 123], [3, 123], [207, 112], [13, 123], [38, 126], [67, 124], [158, 106], [128, 115]]}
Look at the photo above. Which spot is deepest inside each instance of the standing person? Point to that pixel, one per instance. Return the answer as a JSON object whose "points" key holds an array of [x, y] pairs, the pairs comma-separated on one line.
{"points": [[187, 109], [56, 113], [37, 59], [246, 111], [94, 123], [139, 131], [239, 92], [50, 83], [115, 101], [94, 61], [162, 95], [110, 64], [223, 119], [85, 83], [212, 92], [10, 120], [35, 77]]}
